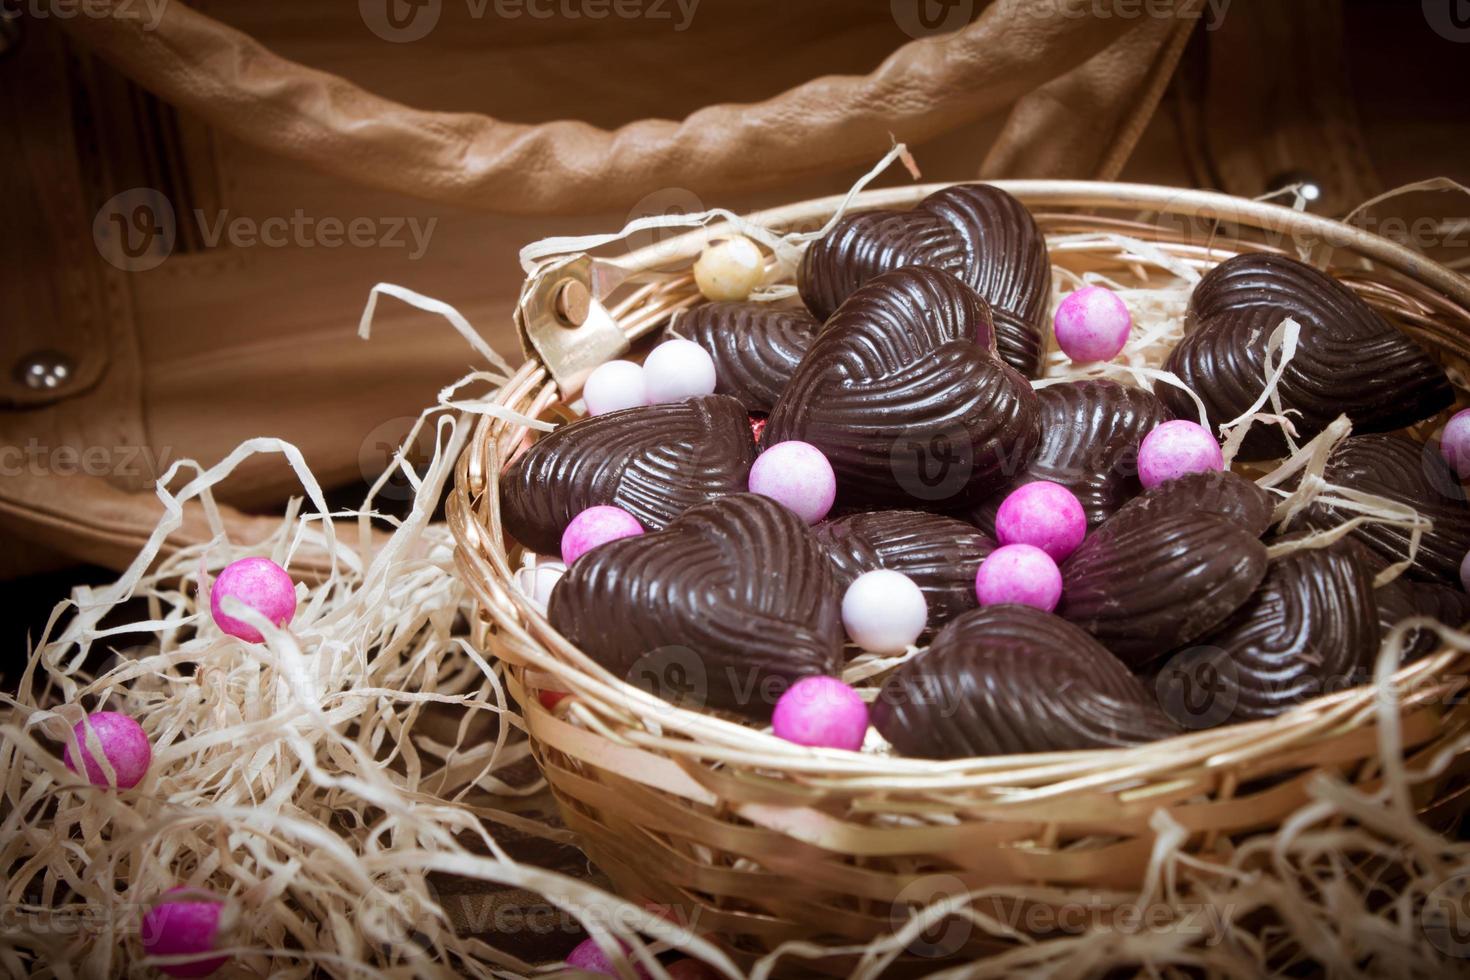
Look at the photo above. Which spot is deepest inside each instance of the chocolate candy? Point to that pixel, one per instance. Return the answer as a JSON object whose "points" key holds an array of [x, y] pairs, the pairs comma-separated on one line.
{"points": [[1405, 597], [904, 394], [755, 346], [1348, 359], [1394, 466], [1008, 679], [724, 608], [1090, 431], [1227, 495], [1311, 628], [978, 232], [654, 462], [940, 554], [1145, 587]]}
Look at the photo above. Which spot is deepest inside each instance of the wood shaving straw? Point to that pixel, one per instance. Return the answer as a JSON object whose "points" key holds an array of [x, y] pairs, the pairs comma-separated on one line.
{"points": [[301, 779]]}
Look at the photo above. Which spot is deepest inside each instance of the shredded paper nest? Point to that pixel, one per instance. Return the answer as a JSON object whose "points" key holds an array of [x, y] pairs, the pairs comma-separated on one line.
{"points": [[318, 779]]}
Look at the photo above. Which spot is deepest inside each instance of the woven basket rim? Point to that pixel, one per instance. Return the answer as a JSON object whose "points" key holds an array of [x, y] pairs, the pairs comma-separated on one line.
{"points": [[629, 717]]}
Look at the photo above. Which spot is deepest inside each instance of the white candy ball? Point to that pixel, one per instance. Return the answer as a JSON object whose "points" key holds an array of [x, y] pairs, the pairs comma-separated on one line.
{"points": [[613, 386], [537, 582], [884, 611], [676, 370], [730, 268]]}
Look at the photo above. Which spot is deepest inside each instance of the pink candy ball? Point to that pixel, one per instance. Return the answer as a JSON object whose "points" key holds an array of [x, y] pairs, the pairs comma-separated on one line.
{"points": [[1176, 449], [260, 584], [595, 526], [124, 746], [614, 386], [588, 956], [1044, 514], [1092, 324], [822, 712], [798, 475], [1454, 443], [1019, 573], [184, 926]]}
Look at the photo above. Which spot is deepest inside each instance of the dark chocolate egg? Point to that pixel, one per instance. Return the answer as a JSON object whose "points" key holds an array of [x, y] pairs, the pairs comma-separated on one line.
{"points": [[1010, 679], [1310, 628], [1146, 587], [1090, 431], [755, 346], [904, 394], [940, 554], [724, 608], [1349, 359], [654, 462], [1396, 467], [1226, 494], [978, 232]]}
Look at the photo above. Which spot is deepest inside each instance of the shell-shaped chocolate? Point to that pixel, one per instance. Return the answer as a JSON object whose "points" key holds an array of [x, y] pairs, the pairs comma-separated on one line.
{"points": [[976, 231], [1233, 497], [1145, 587], [1349, 359], [725, 607], [1394, 466], [1310, 628], [654, 462], [1011, 679], [1090, 431], [940, 554], [755, 347], [903, 392]]}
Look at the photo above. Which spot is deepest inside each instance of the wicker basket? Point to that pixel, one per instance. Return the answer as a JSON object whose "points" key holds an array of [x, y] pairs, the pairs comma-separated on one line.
{"points": [[766, 842]]}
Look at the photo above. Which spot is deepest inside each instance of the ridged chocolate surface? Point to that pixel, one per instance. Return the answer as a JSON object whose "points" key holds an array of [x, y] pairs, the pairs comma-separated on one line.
{"points": [[1145, 587], [755, 347], [727, 605], [978, 232], [941, 554], [1090, 431], [1225, 494], [654, 462], [904, 394], [1396, 467], [1311, 628], [1012, 679], [1348, 360]]}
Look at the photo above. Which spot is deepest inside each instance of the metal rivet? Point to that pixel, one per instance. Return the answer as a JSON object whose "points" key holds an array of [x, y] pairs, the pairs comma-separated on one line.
{"points": [[44, 370], [573, 303], [1308, 186]]}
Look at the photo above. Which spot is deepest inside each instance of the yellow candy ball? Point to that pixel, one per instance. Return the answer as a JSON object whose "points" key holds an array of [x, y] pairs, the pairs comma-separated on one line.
{"points": [[729, 268]]}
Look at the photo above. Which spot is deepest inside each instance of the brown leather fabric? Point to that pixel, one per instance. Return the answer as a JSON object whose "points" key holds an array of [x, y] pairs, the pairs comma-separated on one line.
{"points": [[927, 87]]}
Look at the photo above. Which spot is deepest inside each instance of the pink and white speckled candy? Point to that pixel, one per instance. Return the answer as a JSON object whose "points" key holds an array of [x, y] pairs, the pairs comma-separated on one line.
{"points": [[1019, 573], [1454, 443], [1044, 514], [124, 746], [1176, 449], [595, 526], [614, 386], [1092, 324], [1465, 572], [821, 712], [260, 584], [183, 926], [798, 475], [589, 956]]}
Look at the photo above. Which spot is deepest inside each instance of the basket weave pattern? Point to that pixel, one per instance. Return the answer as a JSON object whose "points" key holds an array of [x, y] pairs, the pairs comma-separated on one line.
{"points": [[764, 842]]}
